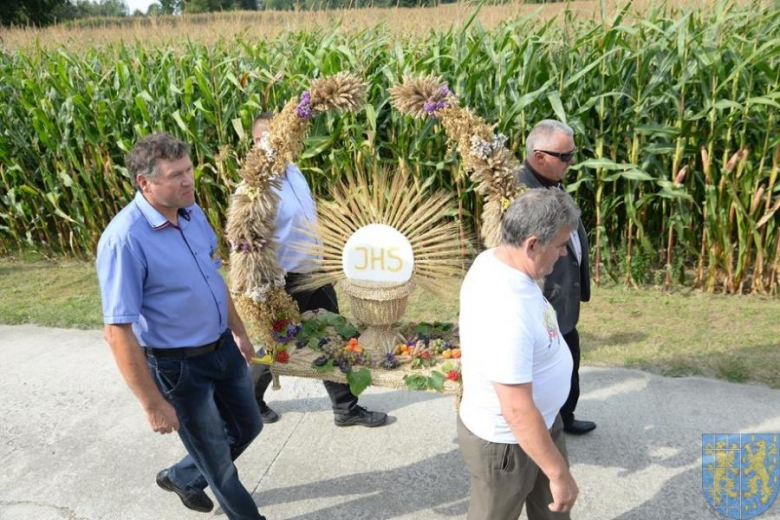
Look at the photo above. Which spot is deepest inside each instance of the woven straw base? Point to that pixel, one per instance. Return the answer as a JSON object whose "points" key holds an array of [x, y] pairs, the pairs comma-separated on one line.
{"points": [[378, 305], [380, 340]]}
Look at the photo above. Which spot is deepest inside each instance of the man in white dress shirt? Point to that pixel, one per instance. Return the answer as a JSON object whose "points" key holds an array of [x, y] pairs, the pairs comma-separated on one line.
{"points": [[296, 208]]}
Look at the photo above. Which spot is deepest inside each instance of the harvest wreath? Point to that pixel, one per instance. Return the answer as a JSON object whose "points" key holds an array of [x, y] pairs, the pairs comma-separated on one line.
{"points": [[381, 235]]}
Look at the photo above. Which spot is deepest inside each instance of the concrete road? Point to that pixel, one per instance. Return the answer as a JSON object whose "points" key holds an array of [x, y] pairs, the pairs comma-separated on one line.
{"points": [[74, 444]]}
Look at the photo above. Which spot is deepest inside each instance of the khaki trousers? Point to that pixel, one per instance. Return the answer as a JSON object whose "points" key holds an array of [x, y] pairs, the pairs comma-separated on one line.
{"points": [[504, 478]]}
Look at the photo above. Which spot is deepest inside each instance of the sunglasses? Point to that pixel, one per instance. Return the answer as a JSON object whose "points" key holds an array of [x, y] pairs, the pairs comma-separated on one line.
{"points": [[562, 156]]}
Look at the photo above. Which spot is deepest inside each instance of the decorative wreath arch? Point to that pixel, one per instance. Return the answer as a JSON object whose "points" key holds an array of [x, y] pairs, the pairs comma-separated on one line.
{"points": [[257, 281], [493, 167]]}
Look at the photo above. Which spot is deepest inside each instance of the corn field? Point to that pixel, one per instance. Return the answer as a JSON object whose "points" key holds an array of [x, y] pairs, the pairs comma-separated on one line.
{"points": [[675, 114]]}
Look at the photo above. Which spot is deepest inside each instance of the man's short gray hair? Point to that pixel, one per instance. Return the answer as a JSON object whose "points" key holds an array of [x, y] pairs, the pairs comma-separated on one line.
{"points": [[540, 213], [142, 159], [542, 131]]}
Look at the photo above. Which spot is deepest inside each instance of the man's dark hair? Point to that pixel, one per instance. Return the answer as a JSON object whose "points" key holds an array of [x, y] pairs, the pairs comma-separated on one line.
{"points": [[142, 159]]}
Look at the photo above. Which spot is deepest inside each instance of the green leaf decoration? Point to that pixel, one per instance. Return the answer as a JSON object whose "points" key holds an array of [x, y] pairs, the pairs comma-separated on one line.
{"points": [[423, 328], [436, 381], [332, 319], [358, 380], [416, 382], [347, 331]]}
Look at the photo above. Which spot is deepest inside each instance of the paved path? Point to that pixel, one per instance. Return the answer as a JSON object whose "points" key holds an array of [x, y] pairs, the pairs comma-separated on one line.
{"points": [[75, 445]]}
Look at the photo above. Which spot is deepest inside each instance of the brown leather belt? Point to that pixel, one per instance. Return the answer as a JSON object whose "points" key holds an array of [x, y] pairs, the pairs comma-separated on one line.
{"points": [[184, 352]]}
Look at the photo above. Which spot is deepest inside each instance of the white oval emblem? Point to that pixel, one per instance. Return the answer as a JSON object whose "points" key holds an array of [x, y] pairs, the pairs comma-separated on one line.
{"points": [[378, 253]]}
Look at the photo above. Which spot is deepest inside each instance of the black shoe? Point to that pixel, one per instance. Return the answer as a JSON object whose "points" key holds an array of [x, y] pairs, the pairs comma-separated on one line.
{"points": [[361, 417], [198, 501], [579, 427], [268, 415]]}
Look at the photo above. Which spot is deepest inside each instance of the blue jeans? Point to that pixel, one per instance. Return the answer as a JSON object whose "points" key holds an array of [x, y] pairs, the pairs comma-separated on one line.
{"points": [[218, 417]]}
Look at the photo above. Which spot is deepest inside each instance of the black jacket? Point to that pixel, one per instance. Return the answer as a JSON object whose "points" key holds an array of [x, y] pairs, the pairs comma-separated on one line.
{"points": [[569, 283]]}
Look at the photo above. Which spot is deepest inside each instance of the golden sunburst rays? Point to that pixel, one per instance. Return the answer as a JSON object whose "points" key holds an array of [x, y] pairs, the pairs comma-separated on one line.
{"points": [[492, 167], [396, 200]]}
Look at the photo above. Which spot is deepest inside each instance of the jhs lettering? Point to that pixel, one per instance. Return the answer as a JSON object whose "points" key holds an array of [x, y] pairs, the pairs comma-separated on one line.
{"points": [[380, 259]]}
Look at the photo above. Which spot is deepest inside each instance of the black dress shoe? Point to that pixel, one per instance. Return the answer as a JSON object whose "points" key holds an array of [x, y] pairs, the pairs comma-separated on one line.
{"points": [[268, 415], [197, 501], [361, 417], [579, 427]]}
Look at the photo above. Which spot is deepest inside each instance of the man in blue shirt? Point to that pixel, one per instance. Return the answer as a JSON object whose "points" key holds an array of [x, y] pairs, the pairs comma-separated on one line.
{"points": [[296, 209], [173, 329]]}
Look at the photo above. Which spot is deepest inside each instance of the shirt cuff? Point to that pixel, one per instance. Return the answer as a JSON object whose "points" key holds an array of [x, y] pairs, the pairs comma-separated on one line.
{"points": [[120, 320]]}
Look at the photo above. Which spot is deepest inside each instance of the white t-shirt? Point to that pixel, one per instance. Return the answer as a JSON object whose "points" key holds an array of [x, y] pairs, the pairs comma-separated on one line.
{"points": [[508, 334]]}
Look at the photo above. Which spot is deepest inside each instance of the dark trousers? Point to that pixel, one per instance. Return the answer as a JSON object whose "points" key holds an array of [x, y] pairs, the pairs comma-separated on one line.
{"points": [[218, 419], [567, 410], [341, 398]]}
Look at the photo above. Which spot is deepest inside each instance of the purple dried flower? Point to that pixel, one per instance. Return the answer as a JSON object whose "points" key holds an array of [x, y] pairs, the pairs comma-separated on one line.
{"points": [[437, 101], [304, 110], [344, 366], [289, 334], [245, 246], [389, 362], [433, 106]]}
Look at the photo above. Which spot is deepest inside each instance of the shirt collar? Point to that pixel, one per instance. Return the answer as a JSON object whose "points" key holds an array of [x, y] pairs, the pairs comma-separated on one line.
{"points": [[156, 219], [547, 183]]}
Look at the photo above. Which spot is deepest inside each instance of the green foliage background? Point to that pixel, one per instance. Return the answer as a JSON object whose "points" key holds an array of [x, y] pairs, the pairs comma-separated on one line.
{"points": [[644, 96]]}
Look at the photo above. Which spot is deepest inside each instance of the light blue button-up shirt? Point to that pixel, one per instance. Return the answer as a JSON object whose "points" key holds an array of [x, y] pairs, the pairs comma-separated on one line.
{"points": [[164, 279], [296, 211]]}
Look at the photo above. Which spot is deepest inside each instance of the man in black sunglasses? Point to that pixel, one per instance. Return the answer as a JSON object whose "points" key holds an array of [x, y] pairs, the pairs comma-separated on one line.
{"points": [[550, 151]]}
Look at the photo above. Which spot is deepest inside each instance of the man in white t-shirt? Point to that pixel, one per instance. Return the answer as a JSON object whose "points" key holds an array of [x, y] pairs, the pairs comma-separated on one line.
{"points": [[517, 367]]}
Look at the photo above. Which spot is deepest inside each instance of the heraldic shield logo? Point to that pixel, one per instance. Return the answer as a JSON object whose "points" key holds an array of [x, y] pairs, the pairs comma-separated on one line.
{"points": [[740, 473]]}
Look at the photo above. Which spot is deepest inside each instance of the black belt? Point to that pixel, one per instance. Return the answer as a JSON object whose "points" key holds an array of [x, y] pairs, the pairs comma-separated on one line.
{"points": [[185, 351]]}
